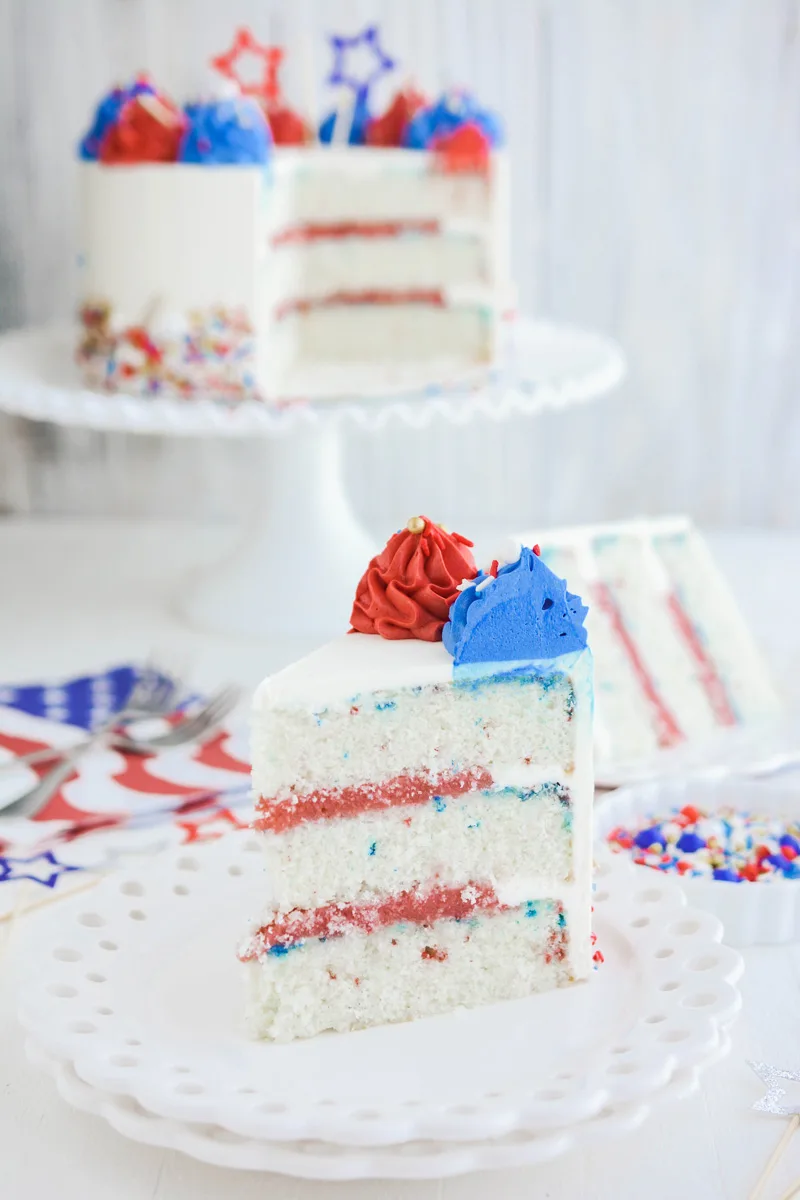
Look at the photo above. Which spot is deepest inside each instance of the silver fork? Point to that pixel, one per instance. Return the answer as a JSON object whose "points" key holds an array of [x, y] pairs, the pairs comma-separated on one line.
{"points": [[151, 695], [207, 720]]}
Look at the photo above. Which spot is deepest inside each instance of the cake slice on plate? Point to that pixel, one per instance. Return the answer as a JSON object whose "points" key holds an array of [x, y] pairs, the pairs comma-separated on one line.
{"points": [[424, 793]]}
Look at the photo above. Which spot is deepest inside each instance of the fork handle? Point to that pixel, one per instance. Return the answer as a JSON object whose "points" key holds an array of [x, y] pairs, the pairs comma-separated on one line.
{"points": [[36, 756], [54, 753], [59, 753], [35, 800]]}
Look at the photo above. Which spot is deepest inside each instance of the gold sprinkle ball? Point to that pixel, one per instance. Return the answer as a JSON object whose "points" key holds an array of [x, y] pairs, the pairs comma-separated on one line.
{"points": [[444, 529], [416, 525]]}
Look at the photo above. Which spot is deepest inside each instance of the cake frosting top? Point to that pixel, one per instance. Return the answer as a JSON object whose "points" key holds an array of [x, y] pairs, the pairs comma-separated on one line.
{"points": [[517, 612], [128, 128], [455, 111], [107, 114], [232, 129], [407, 590], [424, 585], [147, 128]]}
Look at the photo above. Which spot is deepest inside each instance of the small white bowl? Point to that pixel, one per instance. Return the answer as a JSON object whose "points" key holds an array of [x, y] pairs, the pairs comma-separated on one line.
{"points": [[753, 914]]}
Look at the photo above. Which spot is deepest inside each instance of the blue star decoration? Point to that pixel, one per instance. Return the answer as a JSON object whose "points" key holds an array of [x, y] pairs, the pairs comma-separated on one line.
{"points": [[341, 46], [48, 875]]}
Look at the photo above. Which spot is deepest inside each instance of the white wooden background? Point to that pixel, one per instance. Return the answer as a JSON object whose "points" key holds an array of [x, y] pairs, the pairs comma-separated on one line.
{"points": [[656, 149]]}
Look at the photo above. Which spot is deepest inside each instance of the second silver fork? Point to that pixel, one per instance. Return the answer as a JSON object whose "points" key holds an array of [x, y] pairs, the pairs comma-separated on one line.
{"points": [[153, 694]]}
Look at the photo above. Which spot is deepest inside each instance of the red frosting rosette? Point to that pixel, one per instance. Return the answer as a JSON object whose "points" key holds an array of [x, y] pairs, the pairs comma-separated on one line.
{"points": [[465, 150], [288, 127], [149, 129], [388, 129], [407, 589]]}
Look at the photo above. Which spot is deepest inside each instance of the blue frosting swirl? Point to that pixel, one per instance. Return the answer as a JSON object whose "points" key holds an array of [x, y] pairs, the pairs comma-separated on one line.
{"points": [[107, 114], [358, 128], [228, 131], [525, 615], [452, 111]]}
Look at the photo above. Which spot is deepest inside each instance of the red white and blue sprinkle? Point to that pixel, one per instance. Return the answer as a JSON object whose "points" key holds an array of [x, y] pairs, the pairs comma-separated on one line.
{"points": [[727, 845]]}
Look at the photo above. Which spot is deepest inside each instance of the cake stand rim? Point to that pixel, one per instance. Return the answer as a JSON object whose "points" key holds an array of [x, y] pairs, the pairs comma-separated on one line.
{"points": [[508, 390]]}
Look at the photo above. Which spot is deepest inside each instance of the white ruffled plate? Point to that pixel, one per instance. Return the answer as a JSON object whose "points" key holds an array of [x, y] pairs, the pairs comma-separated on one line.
{"points": [[325, 1160], [136, 984]]}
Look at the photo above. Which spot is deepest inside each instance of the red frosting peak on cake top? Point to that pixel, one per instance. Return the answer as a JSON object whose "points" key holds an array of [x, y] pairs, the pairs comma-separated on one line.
{"points": [[465, 149], [149, 129], [288, 127], [388, 129], [407, 589]]}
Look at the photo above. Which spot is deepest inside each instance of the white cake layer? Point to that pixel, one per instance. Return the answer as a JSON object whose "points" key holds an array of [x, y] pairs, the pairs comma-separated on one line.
{"points": [[633, 571], [721, 628], [338, 183], [159, 240], [394, 975], [380, 333], [315, 270], [367, 711], [363, 708], [495, 839], [619, 706]]}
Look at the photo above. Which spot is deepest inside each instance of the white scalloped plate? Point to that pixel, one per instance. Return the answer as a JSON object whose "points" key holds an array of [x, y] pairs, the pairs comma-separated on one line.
{"points": [[137, 985], [324, 1160], [545, 366]]}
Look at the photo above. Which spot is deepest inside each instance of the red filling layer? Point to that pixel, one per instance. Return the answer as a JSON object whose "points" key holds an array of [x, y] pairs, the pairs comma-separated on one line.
{"points": [[668, 731], [707, 672], [336, 230], [278, 816], [430, 296], [333, 920]]}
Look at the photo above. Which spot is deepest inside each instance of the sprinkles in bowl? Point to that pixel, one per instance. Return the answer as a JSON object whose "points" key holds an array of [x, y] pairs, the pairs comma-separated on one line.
{"points": [[728, 845]]}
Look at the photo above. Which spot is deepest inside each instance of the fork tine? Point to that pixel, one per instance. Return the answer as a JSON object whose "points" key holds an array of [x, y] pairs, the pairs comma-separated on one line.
{"points": [[219, 705], [212, 714], [153, 692]]}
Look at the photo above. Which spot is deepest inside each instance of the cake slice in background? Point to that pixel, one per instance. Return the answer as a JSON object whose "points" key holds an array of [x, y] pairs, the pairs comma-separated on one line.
{"points": [[424, 793], [676, 666]]}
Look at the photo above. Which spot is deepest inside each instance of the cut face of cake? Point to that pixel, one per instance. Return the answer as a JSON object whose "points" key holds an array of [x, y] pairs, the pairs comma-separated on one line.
{"points": [[425, 804]]}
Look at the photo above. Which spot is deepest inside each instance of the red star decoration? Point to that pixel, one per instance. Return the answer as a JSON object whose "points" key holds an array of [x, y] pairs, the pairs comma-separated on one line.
{"points": [[195, 831], [267, 89]]}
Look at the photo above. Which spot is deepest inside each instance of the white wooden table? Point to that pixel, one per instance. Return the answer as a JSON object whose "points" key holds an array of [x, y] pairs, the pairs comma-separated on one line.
{"points": [[78, 595]]}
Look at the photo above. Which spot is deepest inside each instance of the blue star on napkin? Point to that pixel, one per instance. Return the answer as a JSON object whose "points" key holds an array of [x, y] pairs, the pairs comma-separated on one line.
{"points": [[11, 869]]}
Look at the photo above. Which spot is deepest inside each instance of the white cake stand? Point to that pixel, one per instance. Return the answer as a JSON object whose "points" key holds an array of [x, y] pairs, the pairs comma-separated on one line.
{"points": [[303, 529]]}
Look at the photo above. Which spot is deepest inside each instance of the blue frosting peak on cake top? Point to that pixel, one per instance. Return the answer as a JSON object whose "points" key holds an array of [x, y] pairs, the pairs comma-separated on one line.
{"points": [[521, 612], [357, 120], [107, 114], [454, 110], [226, 131]]}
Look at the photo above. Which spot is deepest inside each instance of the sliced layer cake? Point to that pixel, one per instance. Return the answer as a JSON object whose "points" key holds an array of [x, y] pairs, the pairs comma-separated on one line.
{"points": [[424, 791], [674, 660]]}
